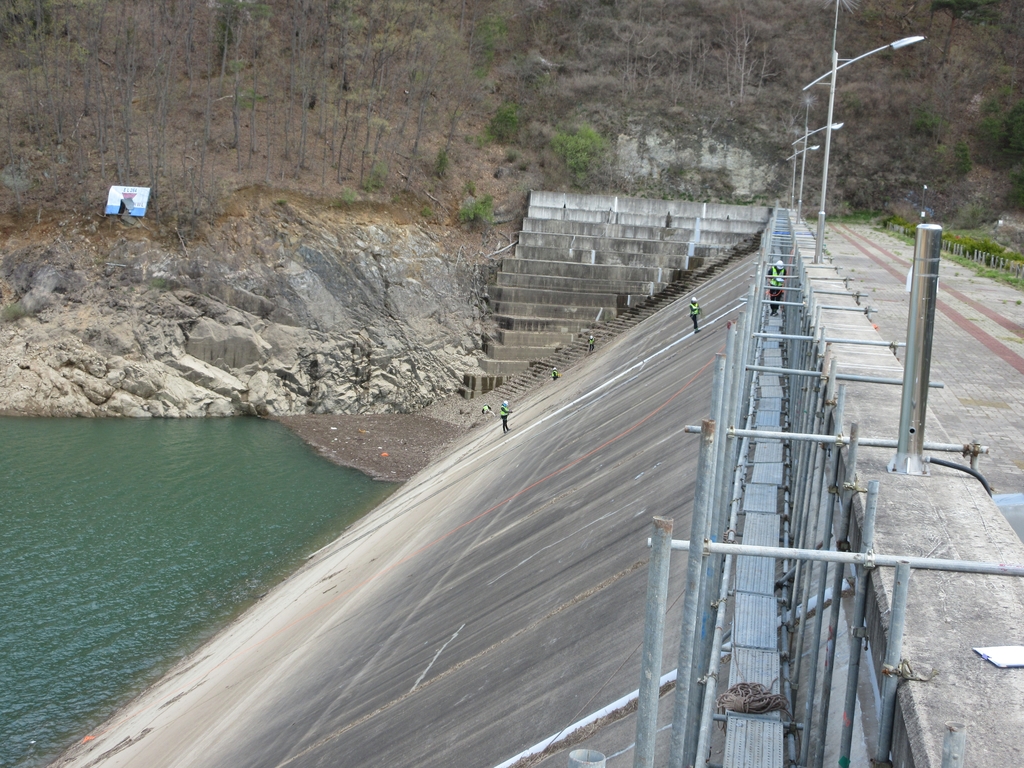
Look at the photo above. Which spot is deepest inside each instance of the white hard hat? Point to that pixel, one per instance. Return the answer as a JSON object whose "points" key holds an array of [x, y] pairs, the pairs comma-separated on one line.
{"points": [[505, 403], [778, 263]]}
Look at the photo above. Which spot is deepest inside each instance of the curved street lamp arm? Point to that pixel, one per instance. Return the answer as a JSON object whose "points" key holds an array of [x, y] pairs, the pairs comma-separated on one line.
{"points": [[896, 45]]}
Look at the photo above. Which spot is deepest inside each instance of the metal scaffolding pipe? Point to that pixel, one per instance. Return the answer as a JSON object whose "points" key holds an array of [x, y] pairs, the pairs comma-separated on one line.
{"points": [[860, 342], [857, 629], [654, 635], [954, 745], [849, 480], [893, 652], [840, 376], [871, 560], [865, 442], [694, 573], [917, 364]]}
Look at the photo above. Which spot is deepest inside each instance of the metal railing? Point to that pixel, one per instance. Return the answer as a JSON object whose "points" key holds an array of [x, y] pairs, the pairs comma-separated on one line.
{"points": [[816, 492]]}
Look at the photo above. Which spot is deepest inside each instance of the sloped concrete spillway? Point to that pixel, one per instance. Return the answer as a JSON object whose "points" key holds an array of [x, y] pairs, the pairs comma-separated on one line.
{"points": [[486, 605]]}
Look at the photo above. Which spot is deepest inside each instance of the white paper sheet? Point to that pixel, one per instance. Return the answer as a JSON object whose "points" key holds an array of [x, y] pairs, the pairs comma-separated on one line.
{"points": [[1003, 655]]}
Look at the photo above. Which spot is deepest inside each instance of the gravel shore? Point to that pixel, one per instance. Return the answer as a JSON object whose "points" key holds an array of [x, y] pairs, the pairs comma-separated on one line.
{"points": [[390, 447]]}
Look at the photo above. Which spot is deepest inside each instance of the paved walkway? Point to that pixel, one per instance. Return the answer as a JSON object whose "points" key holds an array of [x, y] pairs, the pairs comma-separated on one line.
{"points": [[978, 347]]}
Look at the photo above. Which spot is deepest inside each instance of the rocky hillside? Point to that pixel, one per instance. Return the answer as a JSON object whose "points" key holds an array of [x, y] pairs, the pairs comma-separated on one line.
{"points": [[288, 307]]}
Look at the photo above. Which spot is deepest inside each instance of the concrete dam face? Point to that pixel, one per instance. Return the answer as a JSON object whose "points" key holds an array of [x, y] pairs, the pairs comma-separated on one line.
{"points": [[485, 605]]}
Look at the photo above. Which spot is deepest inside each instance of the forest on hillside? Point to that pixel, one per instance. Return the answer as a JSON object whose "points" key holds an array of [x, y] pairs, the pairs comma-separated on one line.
{"points": [[361, 98]]}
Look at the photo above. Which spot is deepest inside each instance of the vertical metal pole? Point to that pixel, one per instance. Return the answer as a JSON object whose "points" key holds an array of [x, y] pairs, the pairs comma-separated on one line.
{"points": [[857, 629], [842, 531], [708, 584], [725, 418], [918, 355], [654, 635], [893, 650], [819, 244], [954, 745], [694, 573], [803, 162], [827, 504]]}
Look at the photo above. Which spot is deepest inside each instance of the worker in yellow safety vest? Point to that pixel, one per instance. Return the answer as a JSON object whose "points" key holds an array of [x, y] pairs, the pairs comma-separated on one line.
{"points": [[776, 272]]}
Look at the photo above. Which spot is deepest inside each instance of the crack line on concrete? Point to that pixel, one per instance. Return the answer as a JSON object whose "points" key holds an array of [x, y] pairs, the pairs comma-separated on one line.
{"points": [[439, 650]]}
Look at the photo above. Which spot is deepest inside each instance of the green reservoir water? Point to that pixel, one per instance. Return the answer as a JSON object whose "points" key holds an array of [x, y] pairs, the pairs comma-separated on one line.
{"points": [[126, 544]]}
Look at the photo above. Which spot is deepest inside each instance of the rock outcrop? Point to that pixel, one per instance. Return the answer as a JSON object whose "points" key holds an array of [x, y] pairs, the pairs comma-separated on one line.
{"points": [[283, 312]]}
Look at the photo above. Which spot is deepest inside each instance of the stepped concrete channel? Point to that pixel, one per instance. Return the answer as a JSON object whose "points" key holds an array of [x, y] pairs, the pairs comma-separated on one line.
{"points": [[582, 260], [498, 597]]}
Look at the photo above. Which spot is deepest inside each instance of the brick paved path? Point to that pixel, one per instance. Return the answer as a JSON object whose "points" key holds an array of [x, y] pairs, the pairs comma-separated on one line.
{"points": [[978, 347]]}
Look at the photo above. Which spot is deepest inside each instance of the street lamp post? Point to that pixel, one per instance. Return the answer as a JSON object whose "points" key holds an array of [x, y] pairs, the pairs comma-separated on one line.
{"points": [[803, 164], [836, 66], [793, 157]]}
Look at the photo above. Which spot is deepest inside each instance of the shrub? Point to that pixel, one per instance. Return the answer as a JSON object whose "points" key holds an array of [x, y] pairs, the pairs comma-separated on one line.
{"points": [[962, 158], [426, 211], [579, 149], [1014, 127], [1017, 187], [505, 124], [13, 312], [481, 210], [972, 216], [375, 180], [441, 163], [469, 187], [348, 196], [928, 123]]}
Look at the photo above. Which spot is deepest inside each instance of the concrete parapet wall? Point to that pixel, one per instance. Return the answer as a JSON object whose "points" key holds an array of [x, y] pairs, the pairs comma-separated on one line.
{"points": [[566, 299], [584, 270], [680, 231], [585, 315], [646, 207], [577, 285], [501, 352], [603, 257], [502, 367], [511, 322], [619, 244], [535, 338]]}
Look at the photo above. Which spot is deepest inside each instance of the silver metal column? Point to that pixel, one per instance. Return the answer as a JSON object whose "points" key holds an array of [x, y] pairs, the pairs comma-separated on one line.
{"points": [[917, 364], [654, 635], [857, 629], [694, 574], [954, 745], [893, 651]]}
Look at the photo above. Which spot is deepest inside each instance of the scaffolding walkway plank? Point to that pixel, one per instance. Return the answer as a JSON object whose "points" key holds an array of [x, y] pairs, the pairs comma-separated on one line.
{"points": [[754, 622], [761, 530], [752, 742], [766, 451], [750, 665], [760, 497], [769, 472]]}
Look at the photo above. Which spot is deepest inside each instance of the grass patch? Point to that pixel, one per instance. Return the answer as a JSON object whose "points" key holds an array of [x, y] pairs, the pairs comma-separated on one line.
{"points": [[858, 217]]}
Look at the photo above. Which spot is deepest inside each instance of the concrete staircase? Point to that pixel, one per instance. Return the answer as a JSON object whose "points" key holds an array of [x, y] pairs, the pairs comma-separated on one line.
{"points": [[582, 261], [563, 358]]}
